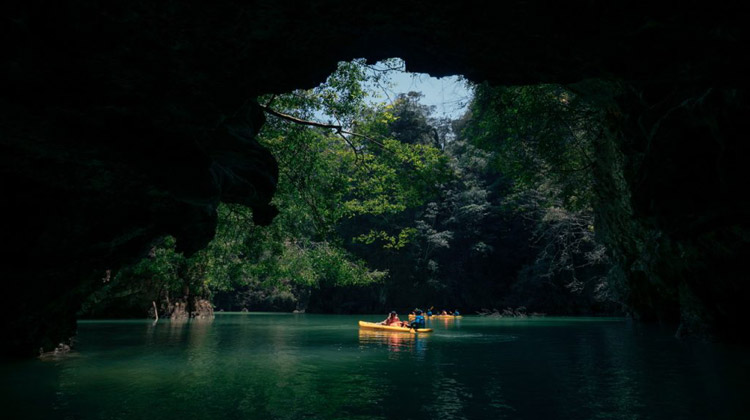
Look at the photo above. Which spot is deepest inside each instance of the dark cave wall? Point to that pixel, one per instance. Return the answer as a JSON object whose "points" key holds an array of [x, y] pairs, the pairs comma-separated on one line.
{"points": [[125, 120], [672, 178]]}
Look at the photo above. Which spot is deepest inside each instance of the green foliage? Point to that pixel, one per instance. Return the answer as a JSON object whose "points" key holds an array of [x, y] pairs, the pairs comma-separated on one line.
{"points": [[390, 241], [543, 140], [399, 177], [358, 170], [543, 137], [413, 125], [132, 290]]}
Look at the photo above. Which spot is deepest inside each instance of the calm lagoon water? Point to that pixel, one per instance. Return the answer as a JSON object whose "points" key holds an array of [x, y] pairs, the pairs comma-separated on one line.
{"points": [[285, 366]]}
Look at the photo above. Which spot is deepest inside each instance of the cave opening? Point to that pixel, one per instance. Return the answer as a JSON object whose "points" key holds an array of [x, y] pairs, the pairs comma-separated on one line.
{"points": [[401, 190], [398, 190]]}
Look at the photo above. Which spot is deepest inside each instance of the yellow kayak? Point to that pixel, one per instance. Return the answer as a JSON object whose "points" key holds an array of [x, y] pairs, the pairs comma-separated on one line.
{"points": [[377, 326]]}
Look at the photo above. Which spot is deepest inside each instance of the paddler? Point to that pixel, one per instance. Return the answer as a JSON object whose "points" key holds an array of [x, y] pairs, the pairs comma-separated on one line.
{"points": [[419, 321], [392, 320]]}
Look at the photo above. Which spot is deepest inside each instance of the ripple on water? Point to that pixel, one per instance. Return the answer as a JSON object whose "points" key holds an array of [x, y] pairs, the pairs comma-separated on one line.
{"points": [[478, 337]]}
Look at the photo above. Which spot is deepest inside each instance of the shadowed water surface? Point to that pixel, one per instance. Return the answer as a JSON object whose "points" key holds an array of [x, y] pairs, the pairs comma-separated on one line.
{"points": [[284, 366]]}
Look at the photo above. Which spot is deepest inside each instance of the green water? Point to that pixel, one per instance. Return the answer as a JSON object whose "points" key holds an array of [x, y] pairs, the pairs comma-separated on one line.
{"points": [[284, 366]]}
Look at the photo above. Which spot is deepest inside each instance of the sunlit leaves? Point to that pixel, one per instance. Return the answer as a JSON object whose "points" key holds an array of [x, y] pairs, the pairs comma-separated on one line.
{"points": [[389, 241], [400, 177], [363, 171]]}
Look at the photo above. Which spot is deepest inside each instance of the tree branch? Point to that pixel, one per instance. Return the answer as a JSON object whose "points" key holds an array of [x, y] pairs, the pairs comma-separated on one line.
{"points": [[296, 120], [338, 128]]}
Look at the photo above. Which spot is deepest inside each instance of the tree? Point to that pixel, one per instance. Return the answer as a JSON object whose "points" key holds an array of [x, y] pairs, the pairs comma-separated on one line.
{"points": [[542, 138]]}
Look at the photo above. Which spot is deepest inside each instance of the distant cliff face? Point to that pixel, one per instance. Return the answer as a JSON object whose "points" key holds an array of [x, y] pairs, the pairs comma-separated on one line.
{"points": [[125, 120]]}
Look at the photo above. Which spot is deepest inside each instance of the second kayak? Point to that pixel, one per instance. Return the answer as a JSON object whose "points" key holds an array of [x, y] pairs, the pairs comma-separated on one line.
{"points": [[437, 316]]}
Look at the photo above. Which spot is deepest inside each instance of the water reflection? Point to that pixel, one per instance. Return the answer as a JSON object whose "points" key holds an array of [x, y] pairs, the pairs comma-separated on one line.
{"points": [[445, 322], [450, 399], [398, 343]]}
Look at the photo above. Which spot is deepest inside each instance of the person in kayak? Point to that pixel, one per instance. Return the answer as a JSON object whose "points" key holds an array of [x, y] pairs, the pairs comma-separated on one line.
{"points": [[419, 321], [392, 320], [456, 313]]}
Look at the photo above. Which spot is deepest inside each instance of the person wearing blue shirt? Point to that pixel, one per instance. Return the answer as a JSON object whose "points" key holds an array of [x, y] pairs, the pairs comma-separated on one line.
{"points": [[419, 321], [456, 313]]}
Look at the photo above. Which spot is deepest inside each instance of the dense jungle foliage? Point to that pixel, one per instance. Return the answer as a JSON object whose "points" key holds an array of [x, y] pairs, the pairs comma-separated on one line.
{"points": [[385, 206]]}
